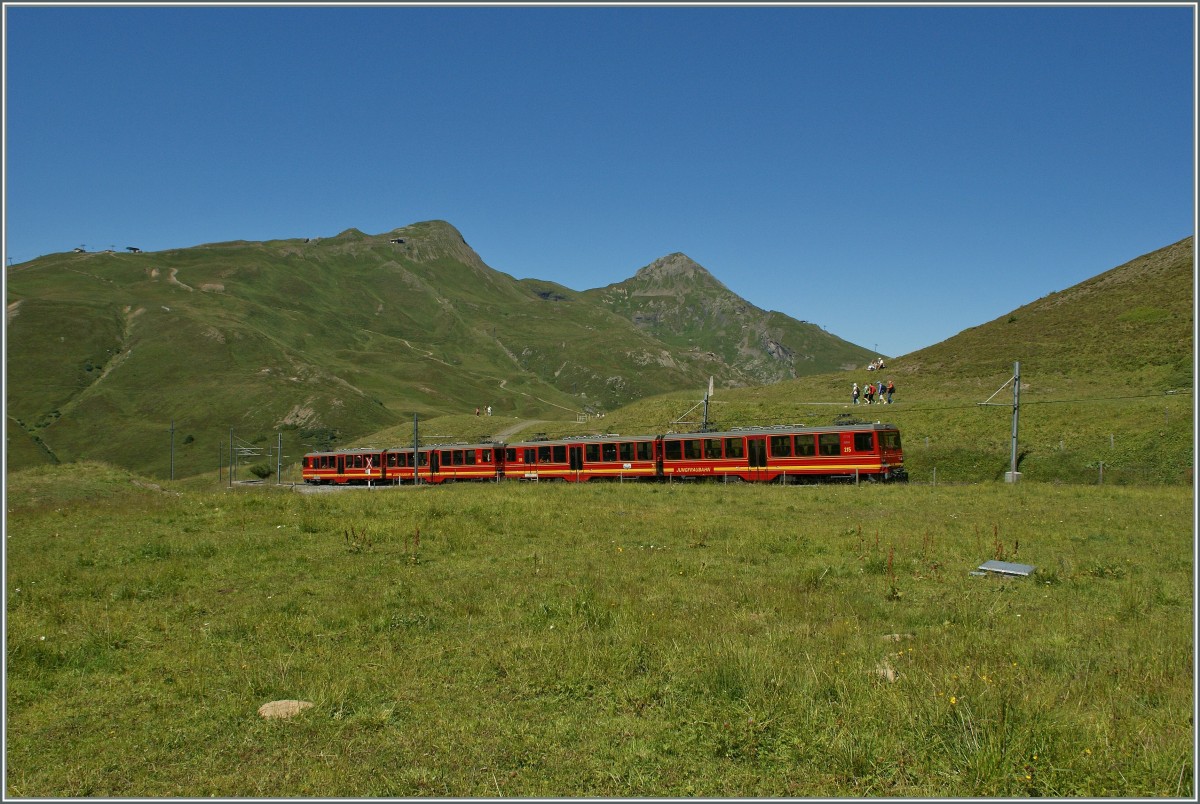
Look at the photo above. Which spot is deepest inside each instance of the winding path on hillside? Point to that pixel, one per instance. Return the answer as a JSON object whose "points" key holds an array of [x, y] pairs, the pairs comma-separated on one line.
{"points": [[513, 429]]}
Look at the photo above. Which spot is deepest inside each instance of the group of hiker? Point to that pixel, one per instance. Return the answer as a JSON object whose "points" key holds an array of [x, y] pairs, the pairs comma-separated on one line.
{"points": [[874, 392]]}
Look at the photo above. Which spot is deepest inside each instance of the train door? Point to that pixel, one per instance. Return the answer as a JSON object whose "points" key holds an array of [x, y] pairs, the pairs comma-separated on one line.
{"points": [[756, 453], [575, 459], [435, 463], [341, 467]]}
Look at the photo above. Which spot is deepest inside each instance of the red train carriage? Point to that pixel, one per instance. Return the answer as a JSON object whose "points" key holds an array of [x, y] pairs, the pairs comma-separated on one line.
{"points": [[577, 460], [320, 467], [452, 462], [347, 466], [398, 465], [789, 454]]}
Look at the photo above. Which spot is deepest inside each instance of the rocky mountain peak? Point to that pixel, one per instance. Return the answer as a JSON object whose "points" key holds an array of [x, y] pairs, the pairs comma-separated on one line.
{"points": [[673, 270]]}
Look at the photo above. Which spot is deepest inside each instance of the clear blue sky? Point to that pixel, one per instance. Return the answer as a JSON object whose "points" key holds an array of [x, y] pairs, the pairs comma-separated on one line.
{"points": [[894, 174]]}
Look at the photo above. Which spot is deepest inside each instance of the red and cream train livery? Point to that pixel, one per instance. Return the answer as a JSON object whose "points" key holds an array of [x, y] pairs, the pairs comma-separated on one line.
{"points": [[785, 454]]}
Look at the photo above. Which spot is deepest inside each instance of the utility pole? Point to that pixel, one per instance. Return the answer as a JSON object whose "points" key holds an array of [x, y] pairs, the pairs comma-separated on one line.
{"points": [[704, 427], [1013, 475], [172, 449], [278, 456], [232, 463], [416, 454]]}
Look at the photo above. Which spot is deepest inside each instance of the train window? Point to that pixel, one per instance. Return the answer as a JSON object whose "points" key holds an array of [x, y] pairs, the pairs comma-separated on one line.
{"points": [[734, 448], [560, 453], [691, 449], [510, 455], [864, 442], [469, 457], [645, 451], [592, 451], [806, 445], [543, 455], [626, 452], [609, 451], [485, 455], [530, 455], [712, 449], [891, 439], [424, 459], [672, 450], [830, 443], [781, 446]]}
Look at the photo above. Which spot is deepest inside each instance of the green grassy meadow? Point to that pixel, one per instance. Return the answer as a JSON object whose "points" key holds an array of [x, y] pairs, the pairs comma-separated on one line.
{"points": [[510, 640]]}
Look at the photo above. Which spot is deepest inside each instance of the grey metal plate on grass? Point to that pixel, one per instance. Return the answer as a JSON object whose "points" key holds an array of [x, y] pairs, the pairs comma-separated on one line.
{"points": [[1006, 568]]}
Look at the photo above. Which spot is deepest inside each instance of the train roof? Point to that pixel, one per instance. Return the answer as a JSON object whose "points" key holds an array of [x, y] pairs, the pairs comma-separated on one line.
{"points": [[781, 429], [766, 430], [543, 442]]}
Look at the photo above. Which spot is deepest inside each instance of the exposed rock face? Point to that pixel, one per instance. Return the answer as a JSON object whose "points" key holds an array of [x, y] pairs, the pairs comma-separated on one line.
{"points": [[680, 303]]}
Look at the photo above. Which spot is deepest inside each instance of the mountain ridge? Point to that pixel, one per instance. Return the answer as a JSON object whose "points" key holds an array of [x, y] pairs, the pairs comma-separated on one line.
{"points": [[334, 337]]}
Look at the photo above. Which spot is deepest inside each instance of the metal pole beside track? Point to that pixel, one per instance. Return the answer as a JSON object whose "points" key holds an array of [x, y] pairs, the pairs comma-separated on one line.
{"points": [[1013, 475]]}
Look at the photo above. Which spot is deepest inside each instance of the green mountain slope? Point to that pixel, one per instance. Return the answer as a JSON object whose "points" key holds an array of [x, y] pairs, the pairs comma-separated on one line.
{"points": [[328, 338], [1106, 379], [1126, 329], [685, 306]]}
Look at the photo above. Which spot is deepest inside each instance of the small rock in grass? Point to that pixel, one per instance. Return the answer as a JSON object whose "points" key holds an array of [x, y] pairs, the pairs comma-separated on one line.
{"points": [[282, 709]]}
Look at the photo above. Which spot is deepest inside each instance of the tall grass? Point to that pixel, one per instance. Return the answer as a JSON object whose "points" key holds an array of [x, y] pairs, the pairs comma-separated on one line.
{"points": [[608, 640]]}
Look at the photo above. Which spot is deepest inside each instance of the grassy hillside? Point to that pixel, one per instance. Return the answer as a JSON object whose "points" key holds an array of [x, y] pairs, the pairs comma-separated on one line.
{"points": [[1106, 377], [343, 340], [323, 339]]}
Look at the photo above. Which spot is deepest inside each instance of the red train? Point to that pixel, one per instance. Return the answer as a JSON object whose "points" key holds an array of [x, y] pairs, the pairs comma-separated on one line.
{"points": [[786, 454]]}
